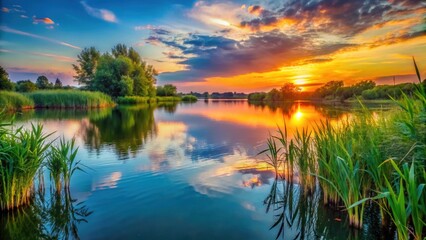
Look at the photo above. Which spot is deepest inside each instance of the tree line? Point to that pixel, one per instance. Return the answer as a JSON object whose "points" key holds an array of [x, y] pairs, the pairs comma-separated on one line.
{"points": [[121, 72], [335, 90], [42, 83]]}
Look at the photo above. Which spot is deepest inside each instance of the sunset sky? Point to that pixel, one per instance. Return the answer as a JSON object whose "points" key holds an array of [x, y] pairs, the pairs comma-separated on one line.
{"points": [[222, 45]]}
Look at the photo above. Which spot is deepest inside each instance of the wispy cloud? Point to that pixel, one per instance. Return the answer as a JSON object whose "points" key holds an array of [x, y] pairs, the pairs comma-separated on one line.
{"points": [[45, 20], [103, 14], [55, 57], [14, 31]]}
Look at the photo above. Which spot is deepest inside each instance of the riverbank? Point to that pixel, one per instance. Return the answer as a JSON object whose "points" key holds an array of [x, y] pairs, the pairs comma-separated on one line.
{"points": [[14, 101]]}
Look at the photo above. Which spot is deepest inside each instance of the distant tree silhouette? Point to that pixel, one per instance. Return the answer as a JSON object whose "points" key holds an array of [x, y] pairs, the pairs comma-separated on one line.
{"points": [[5, 83], [58, 83], [43, 83]]}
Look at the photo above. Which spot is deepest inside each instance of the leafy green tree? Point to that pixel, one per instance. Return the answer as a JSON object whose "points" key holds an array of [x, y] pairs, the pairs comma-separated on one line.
{"points": [[43, 83], [143, 75], [86, 66], [113, 76], [126, 67], [167, 90], [5, 83], [25, 86], [58, 83], [119, 50]]}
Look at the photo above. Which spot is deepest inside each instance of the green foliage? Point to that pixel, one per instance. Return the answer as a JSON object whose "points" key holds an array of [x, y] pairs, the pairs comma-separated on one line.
{"points": [[166, 90], [14, 101], [85, 69], [121, 73], [367, 154], [189, 98], [43, 83], [70, 99], [5, 83], [62, 163], [134, 100], [21, 155], [168, 99], [25, 86]]}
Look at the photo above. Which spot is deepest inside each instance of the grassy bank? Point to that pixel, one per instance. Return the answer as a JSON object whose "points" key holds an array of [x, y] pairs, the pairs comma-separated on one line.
{"points": [[12, 101], [69, 99]]}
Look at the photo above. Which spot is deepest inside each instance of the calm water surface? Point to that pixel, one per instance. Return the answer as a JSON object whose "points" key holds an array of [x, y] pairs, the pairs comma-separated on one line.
{"points": [[186, 171]]}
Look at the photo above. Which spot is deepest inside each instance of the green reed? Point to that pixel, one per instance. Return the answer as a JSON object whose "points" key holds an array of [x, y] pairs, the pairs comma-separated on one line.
{"points": [[12, 101], [70, 99], [364, 159], [62, 163], [21, 156]]}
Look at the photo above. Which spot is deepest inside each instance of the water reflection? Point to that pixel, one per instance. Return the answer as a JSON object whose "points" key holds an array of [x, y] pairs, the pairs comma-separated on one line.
{"points": [[126, 129], [301, 215], [56, 217], [199, 158]]}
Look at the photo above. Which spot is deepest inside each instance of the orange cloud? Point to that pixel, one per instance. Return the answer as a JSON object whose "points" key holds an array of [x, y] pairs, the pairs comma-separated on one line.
{"points": [[43, 20], [255, 10]]}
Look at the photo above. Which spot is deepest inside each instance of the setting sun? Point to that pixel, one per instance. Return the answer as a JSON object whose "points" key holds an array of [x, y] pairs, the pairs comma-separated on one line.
{"points": [[212, 119]]}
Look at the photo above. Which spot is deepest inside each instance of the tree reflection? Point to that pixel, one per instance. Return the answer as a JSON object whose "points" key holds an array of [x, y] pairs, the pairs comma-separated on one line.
{"points": [[125, 128], [289, 109], [56, 217]]}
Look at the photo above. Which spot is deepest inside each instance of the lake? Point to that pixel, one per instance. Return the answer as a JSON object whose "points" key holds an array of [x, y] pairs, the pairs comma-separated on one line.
{"points": [[180, 171]]}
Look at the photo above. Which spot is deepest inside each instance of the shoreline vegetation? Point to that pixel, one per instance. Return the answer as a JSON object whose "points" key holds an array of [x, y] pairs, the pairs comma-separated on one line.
{"points": [[25, 155], [74, 99], [370, 160]]}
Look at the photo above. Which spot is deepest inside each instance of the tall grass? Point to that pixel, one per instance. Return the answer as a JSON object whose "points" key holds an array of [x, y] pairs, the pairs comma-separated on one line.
{"points": [[134, 100], [366, 158], [62, 163], [21, 154], [22, 158], [70, 99], [11, 101]]}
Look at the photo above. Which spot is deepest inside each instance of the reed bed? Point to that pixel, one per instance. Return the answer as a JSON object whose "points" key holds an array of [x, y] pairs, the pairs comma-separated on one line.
{"points": [[134, 100], [12, 101], [23, 155], [70, 99], [368, 158]]}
